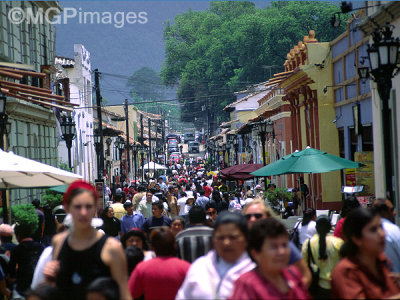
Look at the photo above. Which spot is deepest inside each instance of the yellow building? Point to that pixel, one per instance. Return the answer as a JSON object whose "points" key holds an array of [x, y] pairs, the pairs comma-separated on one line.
{"points": [[312, 112]]}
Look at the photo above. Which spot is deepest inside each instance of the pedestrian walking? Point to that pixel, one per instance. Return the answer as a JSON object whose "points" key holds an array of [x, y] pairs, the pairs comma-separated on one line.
{"points": [[196, 240], [83, 254], [387, 212], [111, 225], [157, 219], [132, 218], [273, 278], [363, 271], [160, 277], [322, 251], [212, 276], [257, 210]]}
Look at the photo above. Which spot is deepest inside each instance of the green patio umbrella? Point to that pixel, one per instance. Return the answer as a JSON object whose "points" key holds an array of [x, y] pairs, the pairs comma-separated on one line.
{"points": [[309, 160], [60, 188]]}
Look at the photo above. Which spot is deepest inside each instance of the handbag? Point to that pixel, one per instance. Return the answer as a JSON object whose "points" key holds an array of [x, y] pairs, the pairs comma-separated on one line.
{"points": [[294, 236], [314, 270]]}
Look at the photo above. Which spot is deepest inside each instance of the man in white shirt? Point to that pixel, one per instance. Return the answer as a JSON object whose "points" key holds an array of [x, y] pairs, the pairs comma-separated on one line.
{"points": [[386, 210]]}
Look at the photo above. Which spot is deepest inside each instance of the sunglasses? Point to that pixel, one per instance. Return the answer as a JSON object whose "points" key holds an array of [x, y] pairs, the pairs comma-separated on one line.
{"points": [[211, 213], [257, 216]]}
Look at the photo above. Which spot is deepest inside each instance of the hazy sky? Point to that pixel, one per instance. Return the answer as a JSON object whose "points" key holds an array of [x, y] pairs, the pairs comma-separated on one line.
{"points": [[120, 50]]}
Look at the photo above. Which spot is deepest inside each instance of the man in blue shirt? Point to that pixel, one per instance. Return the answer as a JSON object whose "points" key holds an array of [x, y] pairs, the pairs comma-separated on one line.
{"points": [[132, 219], [157, 219], [202, 200]]}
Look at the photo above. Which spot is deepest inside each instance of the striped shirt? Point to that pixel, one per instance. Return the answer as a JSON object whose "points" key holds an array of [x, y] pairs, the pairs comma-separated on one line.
{"points": [[194, 242]]}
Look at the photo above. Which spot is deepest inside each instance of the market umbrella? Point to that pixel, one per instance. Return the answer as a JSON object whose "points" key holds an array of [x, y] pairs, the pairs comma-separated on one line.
{"points": [[240, 172], [310, 161], [20, 172], [153, 166], [60, 188]]}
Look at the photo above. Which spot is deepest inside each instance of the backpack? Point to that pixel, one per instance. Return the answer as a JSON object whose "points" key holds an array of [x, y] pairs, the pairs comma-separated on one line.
{"points": [[294, 235]]}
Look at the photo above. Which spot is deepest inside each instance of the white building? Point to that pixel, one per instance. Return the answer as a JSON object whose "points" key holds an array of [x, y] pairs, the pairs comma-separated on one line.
{"points": [[78, 71]]}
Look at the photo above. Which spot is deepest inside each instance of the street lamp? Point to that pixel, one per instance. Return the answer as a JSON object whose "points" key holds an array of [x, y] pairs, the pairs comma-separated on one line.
{"points": [[228, 149], [68, 130], [134, 151], [97, 145], [236, 146], [120, 144], [4, 128], [223, 153], [264, 127], [383, 58], [141, 152]]}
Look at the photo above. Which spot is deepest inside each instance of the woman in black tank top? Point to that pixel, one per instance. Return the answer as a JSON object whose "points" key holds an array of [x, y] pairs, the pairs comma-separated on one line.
{"points": [[83, 254]]}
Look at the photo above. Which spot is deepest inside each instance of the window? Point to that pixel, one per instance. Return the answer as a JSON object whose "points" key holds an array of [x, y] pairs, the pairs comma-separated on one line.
{"points": [[341, 142], [353, 142], [367, 138]]}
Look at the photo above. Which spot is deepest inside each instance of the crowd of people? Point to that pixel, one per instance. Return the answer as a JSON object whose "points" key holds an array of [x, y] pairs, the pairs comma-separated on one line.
{"points": [[188, 237]]}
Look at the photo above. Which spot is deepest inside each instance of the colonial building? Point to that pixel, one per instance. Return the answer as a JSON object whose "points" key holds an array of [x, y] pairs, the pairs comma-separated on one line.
{"points": [[76, 73], [311, 109], [26, 78]]}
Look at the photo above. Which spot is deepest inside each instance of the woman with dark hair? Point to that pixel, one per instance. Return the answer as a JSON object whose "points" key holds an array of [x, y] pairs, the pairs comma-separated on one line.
{"points": [[136, 237], [306, 227], [324, 249], [111, 225], [177, 225], [212, 276], [272, 278], [217, 199], [83, 254], [363, 271], [348, 205], [160, 277]]}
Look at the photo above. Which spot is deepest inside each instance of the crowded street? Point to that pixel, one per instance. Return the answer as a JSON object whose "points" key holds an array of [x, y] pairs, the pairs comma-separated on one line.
{"points": [[199, 150]]}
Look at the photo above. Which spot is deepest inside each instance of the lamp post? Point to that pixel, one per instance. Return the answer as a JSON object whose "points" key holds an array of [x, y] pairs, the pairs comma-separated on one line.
{"points": [[120, 144], [4, 128], [223, 153], [383, 58], [228, 149], [134, 152], [264, 127], [97, 146], [236, 146], [141, 152], [68, 130]]}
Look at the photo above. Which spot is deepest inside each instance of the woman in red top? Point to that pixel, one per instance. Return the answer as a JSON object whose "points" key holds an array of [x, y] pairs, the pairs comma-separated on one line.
{"points": [[349, 205], [272, 278], [159, 277], [363, 273]]}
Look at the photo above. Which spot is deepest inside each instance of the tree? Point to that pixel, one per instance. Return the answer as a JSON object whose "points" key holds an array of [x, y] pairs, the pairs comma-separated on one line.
{"points": [[146, 84], [211, 54]]}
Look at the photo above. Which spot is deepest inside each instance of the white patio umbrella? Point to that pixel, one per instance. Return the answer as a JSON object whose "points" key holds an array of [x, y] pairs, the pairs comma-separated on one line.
{"points": [[153, 166], [20, 172]]}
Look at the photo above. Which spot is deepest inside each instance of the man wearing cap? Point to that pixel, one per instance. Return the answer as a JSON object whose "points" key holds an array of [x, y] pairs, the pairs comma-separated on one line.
{"points": [[132, 219]]}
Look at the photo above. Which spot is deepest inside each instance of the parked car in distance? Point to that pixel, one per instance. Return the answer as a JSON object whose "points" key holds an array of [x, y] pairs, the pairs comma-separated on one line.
{"points": [[173, 157]]}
